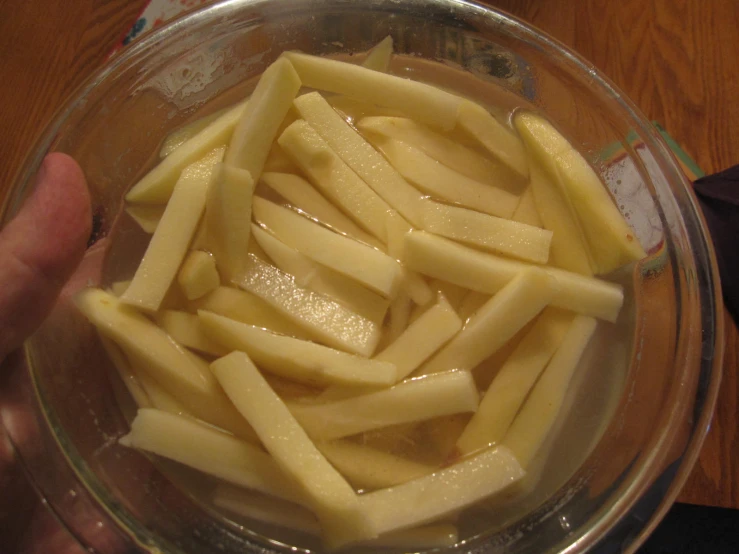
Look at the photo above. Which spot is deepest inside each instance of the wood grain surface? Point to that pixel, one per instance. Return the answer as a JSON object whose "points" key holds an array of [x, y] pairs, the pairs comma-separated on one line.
{"points": [[677, 59]]}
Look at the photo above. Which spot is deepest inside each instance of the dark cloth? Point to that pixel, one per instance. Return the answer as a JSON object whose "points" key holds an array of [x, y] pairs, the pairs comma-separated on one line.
{"points": [[718, 195]]}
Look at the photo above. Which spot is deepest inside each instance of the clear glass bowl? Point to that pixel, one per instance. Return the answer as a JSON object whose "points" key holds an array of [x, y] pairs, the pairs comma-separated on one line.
{"points": [[619, 463]]}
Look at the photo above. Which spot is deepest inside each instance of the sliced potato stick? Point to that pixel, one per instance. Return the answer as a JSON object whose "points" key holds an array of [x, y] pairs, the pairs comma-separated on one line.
{"points": [[186, 329], [526, 211], [169, 244], [156, 186], [146, 215], [414, 400], [318, 315], [198, 275], [487, 273], [299, 360], [330, 496], [495, 322], [378, 58]]}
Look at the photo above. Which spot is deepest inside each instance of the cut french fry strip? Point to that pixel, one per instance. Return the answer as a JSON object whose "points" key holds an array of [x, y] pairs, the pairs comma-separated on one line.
{"points": [[418, 100], [156, 187], [365, 467], [495, 322], [511, 385], [429, 498], [328, 172], [446, 151], [279, 162], [184, 375], [360, 156], [161, 399], [245, 307], [378, 58], [400, 312], [422, 338], [146, 215], [198, 275], [291, 516], [321, 279], [169, 244], [256, 130], [321, 317], [228, 217], [119, 287], [569, 249], [611, 241], [454, 294], [127, 374], [526, 211], [489, 232], [299, 360], [487, 273], [368, 266], [438, 180], [186, 329], [413, 284], [181, 135], [208, 450], [354, 110], [327, 492], [500, 141], [413, 400], [301, 194], [537, 416]]}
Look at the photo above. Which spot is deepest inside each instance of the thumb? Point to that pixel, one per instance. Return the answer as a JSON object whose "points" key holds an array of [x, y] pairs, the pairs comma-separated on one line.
{"points": [[41, 247]]}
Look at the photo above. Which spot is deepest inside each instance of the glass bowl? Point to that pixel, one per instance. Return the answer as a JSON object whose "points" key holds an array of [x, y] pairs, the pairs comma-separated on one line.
{"points": [[632, 433]]}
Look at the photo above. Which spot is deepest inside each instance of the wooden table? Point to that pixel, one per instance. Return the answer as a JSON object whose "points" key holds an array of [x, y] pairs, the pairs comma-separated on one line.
{"points": [[677, 59]]}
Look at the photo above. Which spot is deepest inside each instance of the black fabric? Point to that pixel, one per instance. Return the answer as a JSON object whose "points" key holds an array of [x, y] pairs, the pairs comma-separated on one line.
{"points": [[718, 195], [689, 529]]}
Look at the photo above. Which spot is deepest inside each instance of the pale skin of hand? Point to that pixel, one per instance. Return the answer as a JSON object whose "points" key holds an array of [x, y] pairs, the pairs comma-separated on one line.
{"points": [[39, 250]]}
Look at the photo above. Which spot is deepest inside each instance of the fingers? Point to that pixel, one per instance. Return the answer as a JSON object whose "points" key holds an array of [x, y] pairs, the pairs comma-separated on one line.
{"points": [[41, 247]]}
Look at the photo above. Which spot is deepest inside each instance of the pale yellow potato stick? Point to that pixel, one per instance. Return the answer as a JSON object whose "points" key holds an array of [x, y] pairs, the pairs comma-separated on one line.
{"points": [[198, 275], [183, 374], [301, 195], [612, 243], [422, 338], [488, 232], [170, 242], [471, 302], [146, 215], [228, 218], [321, 279], [512, 384], [181, 135], [375, 270], [156, 186], [328, 494], [569, 249], [369, 468], [413, 283], [526, 211], [208, 450], [495, 322], [452, 154], [245, 307], [186, 329], [412, 400], [378, 58], [299, 360], [500, 141], [441, 258], [360, 156], [428, 498], [440, 181], [127, 373], [277, 512], [322, 318], [418, 100], [531, 426], [267, 107], [328, 172], [161, 399]]}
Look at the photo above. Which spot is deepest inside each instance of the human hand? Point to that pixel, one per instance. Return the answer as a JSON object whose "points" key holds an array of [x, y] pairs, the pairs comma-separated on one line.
{"points": [[39, 250]]}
